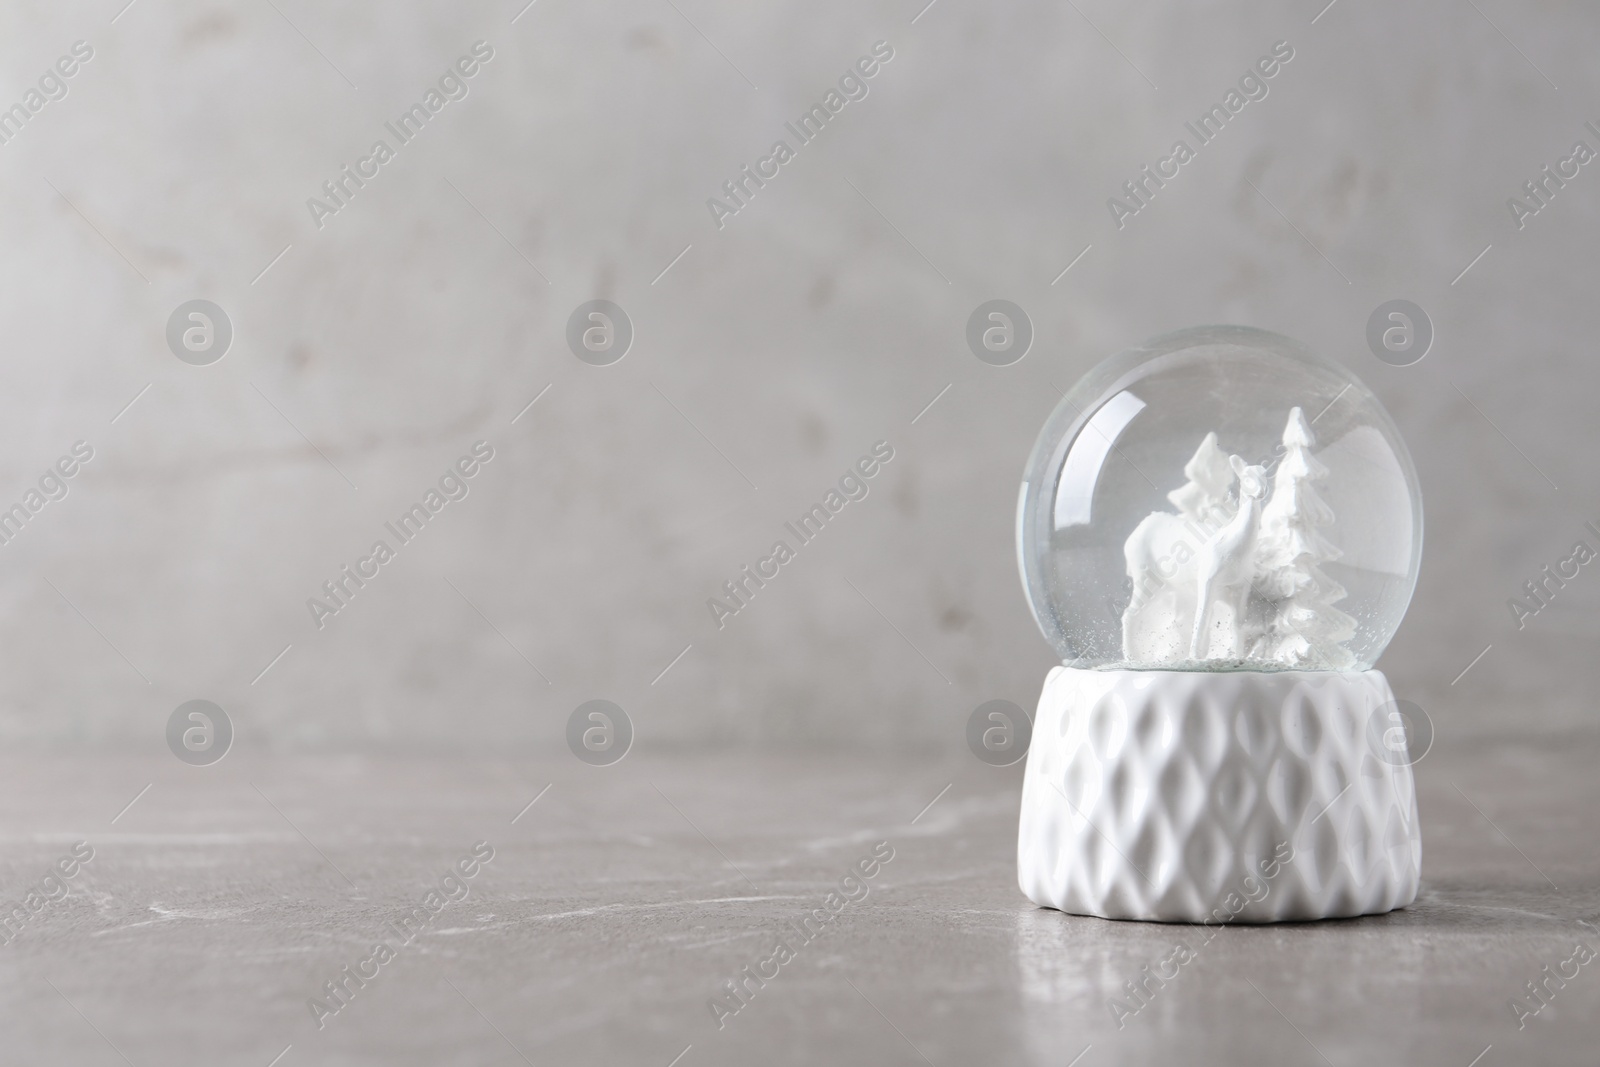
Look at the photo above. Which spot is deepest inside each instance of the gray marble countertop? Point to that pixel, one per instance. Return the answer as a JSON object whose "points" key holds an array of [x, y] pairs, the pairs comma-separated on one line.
{"points": [[614, 909]]}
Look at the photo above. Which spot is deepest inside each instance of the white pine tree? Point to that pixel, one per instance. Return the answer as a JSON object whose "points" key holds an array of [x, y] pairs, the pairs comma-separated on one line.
{"points": [[1305, 629], [1204, 498]]}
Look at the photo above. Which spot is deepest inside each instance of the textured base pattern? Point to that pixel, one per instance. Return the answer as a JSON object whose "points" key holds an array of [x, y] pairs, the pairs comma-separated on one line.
{"points": [[1180, 796]]}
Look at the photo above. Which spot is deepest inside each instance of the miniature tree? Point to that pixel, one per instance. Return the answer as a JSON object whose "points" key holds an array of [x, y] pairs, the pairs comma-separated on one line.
{"points": [[1204, 499], [1304, 629], [1160, 552]]}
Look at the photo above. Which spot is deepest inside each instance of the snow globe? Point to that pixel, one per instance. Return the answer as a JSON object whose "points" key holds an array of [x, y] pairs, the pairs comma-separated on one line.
{"points": [[1219, 532]]}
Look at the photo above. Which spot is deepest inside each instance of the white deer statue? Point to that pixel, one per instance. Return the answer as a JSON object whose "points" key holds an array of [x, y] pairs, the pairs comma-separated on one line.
{"points": [[1226, 564]]}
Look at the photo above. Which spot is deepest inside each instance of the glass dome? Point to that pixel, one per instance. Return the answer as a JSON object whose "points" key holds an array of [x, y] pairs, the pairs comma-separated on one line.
{"points": [[1219, 498]]}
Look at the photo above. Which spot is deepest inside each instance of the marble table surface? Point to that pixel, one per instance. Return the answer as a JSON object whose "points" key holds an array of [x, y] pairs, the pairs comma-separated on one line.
{"points": [[218, 905]]}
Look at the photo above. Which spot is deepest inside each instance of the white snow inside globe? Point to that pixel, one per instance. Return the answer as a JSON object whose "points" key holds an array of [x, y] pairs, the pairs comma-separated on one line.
{"points": [[1219, 498]]}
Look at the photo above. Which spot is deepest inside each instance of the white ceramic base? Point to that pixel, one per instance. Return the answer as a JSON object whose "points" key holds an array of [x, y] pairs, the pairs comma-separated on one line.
{"points": [[1187, 796]]}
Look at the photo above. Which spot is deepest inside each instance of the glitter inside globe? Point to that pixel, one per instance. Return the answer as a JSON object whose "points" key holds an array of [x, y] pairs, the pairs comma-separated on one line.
{"points": [[1219, 498]]}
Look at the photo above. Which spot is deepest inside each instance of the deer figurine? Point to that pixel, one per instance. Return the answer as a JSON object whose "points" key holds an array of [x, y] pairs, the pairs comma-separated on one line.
{"points": [[1225, 564]]}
